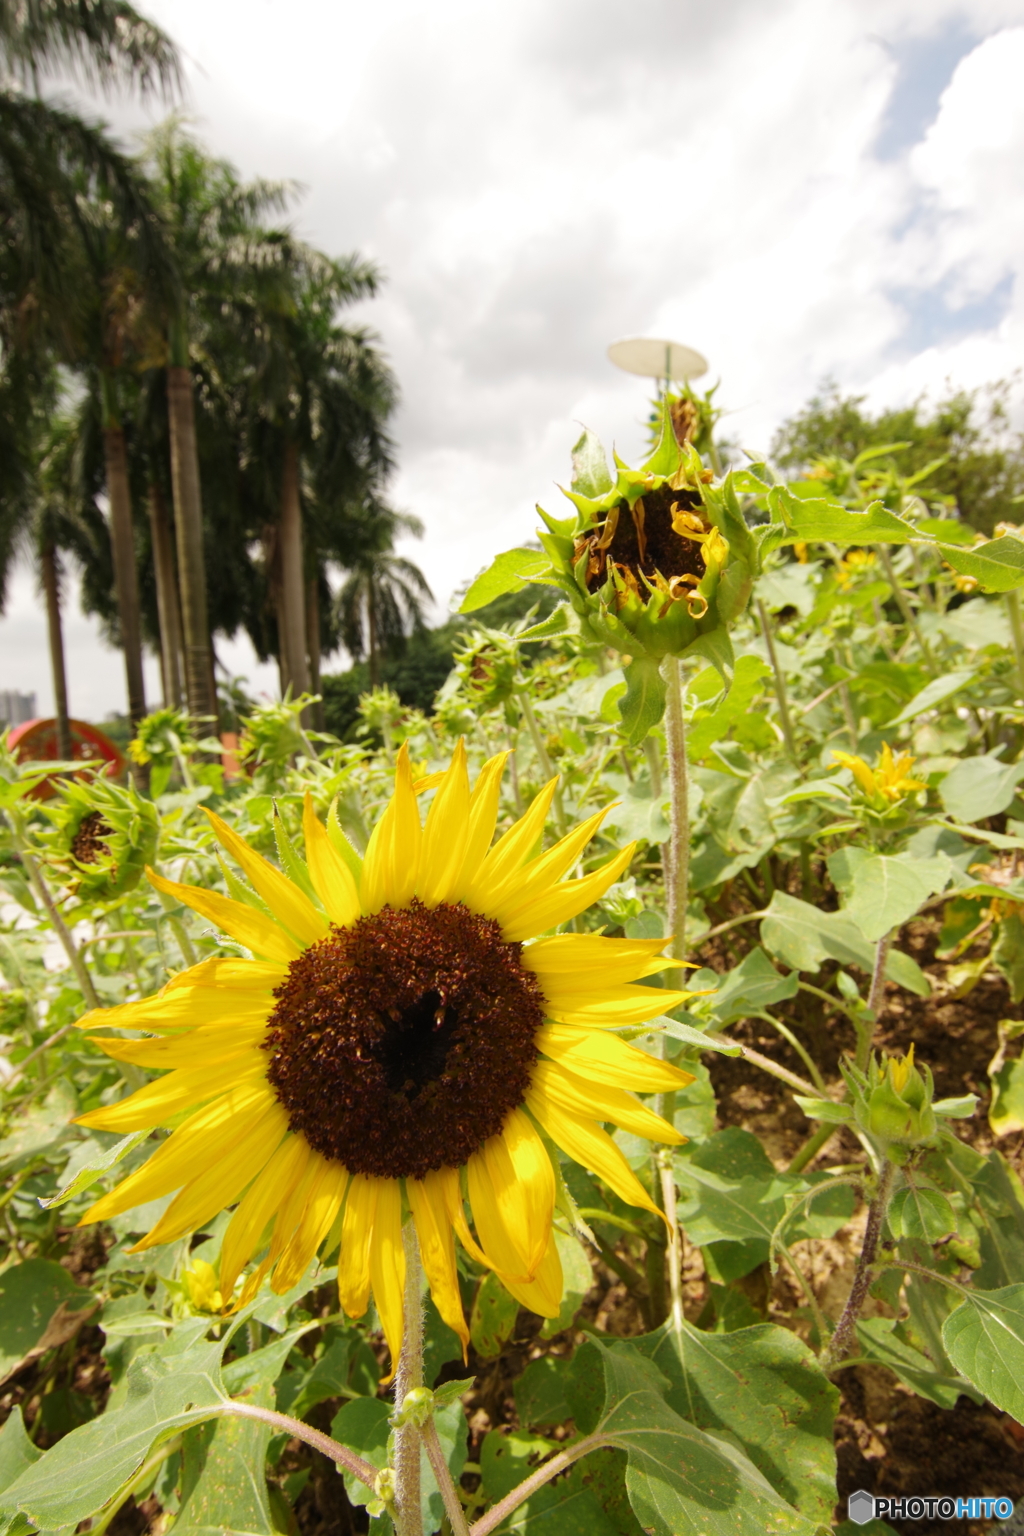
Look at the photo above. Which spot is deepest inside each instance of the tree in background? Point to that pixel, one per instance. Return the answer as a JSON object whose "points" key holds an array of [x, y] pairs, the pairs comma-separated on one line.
{"points": [[983, 458], [383, 596]]}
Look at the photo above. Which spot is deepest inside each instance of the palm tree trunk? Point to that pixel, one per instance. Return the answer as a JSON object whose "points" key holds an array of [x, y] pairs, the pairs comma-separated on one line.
{"points": [[51, 586], [126, 580], [166, 597], [371, 615], [292, 608], [188, 523], [313, 646]]}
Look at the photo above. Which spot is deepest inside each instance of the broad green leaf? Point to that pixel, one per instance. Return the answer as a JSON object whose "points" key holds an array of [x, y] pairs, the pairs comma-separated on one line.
{"points": [[1008, 952], [997, 565], [917, 1212], [591, 476], [817, 519], [805, 937], [510, 572], [540, 1393], [980, 786], [880, 1340], [681, 1480], [935, 692], [100, 1161], [763, 1385], [1006, 1112], [984, 1338], [947, 531], [753, 984], [224, 1485], [17, 1452], [888, 891], [175, 1385], [1001, 1197], [589, 1500], [643, 703], [362, 1426], [447, 1394], [577, 1279], [30, 1294], [748, 680], [493, 1317], [39, 1128]]}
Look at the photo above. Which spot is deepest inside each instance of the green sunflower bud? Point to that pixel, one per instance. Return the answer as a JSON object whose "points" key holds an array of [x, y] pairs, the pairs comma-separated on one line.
{"points": [[101, 839], [487, 667], [895, 1107]]}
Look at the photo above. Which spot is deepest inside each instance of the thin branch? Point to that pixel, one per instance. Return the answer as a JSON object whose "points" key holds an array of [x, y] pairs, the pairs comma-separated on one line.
{"points": [[544, 1474]]}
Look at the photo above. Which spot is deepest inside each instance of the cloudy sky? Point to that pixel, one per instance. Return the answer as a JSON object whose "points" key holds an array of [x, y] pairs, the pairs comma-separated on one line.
{"points": [[798, 188]]}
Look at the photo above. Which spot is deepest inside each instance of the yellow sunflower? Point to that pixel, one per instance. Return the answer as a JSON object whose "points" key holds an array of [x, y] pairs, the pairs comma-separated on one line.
{"points": [[399, 1042]]}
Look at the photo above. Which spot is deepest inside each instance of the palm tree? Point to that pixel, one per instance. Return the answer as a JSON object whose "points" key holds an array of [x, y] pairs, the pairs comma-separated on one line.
{"points": [[382, 598]]}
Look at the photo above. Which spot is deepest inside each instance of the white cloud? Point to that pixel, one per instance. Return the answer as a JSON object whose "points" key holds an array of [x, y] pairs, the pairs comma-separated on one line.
{"points": [[538, 179]]}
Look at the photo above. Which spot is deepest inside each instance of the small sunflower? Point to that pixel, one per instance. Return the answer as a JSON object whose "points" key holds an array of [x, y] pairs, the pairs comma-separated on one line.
{"points": [[888, 781], [401, 1041]]}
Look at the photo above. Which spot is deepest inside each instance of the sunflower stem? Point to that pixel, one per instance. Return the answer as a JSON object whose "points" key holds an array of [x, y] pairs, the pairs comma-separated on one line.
{"points": [[409, 1375], [60, 927], [543, 760], [839, 1344], [452, 1503]]}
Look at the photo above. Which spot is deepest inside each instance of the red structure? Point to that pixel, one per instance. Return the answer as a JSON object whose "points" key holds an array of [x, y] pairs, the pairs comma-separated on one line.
{"points": [[35, 741]]}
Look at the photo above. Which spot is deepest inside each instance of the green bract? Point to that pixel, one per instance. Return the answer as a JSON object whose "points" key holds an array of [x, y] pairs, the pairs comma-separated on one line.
{"points": [[101, 839], [893, 1104]]}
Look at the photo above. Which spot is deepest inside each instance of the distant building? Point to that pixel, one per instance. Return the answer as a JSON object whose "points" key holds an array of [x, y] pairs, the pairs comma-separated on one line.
{"points": [[16, 707]]}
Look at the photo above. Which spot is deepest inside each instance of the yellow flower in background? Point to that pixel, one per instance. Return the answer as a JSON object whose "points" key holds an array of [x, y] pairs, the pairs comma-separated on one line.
{"points": [[856, 562], [889, 779], [400, 1040]]}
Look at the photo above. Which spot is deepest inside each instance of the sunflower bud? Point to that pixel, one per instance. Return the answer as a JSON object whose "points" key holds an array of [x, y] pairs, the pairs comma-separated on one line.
{"points": [[101, 838], [895, 1106]]}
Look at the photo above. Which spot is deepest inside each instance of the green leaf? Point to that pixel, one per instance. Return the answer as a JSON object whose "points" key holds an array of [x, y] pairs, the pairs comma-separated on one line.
{"points": [[997, 565], [98, 1163], [577, 1279], [888, 891], [16, 1449], [881, 1340], [643, 703], [1006, 1112], [935, 692], [818, 519], [540, 1392], [681, 1480], [510, 572], [748, 679], [452, 1391], [362, 1426], [980, 786], [224, 1486], [591, 476], [763, 1385], [984, 1338], [805, 937], [556, 623], [493, 1317], [1001, 1196], [825, 1109], [30, 1294], [175, 1385], [917, 1212], [753, 984], [39, 1128], [947, 531], [1008, 952]]}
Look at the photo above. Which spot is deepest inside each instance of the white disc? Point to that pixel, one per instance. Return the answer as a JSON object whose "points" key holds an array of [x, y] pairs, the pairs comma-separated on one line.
{"points": [[655, 359]]}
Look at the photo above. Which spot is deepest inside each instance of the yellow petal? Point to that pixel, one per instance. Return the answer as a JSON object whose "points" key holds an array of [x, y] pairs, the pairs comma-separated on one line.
{"points": [[387, 1266], [192, 1048], [392, 864], [573, 960], [591, 1147], [500, 1249], [331, 876], [356, 1235], [321, 1202], [592, 1053], [624, 1005], [223, 1180], [446, 833], [596, 1101], [512, 1192], [167, 1096], [510, 851], [524, 886], [542, 1294], [292, 907], [428, 1201], [264, 1198], [186, 1153], [565, 900], [483, 816], [262, 935]]}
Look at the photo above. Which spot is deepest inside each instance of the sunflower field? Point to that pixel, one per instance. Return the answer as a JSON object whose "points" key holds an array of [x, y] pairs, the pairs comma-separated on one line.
{"points": [[594, 1107]]}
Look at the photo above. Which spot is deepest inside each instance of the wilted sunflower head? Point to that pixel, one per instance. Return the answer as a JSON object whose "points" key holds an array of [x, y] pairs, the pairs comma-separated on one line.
{"points": [[101, 838], [403, 1039]]}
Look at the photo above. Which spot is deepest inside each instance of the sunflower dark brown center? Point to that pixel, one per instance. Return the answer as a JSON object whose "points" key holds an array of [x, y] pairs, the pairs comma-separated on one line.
{"points": [[645, 542], [90, 841], [399, 1045]]}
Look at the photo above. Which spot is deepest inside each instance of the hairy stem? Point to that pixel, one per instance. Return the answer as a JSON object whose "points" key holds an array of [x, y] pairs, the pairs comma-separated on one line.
{"points": [[409, 1375], [781, 696], [449, 1493], [558, 1464], [876, 997], [365, 1471], [839, 1344]]}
